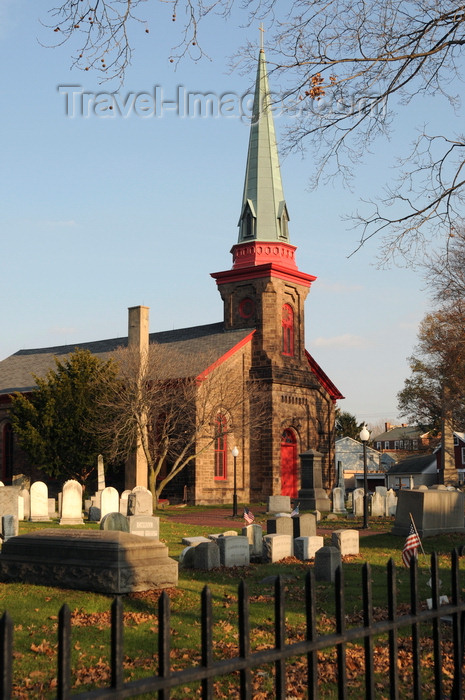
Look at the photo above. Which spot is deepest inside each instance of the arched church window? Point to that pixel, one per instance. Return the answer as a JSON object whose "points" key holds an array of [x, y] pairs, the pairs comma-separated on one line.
{"points": [[221, 451], [7, 453], [287, 324]]}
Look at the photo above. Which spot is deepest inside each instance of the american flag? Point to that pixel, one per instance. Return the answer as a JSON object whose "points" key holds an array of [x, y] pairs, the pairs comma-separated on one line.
{"points": [[411, 545], [249, 517]]}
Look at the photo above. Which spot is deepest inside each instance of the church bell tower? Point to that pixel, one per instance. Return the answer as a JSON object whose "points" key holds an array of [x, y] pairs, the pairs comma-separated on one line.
{"points": [[264, 288]]}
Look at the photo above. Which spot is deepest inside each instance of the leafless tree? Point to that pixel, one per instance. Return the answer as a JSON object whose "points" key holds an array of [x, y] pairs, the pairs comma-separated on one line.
{"points": [[445, 270], [169, 411], [346, 68]]}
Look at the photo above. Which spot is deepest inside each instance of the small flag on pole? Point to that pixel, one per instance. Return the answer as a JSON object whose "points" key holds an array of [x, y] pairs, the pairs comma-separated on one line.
{"points": [[295, 511], [249, 517], [411, 545]]}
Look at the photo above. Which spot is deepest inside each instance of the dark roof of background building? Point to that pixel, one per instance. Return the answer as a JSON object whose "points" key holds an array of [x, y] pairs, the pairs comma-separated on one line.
{"points": [[195, 350], [401, 432], [414, 465]]}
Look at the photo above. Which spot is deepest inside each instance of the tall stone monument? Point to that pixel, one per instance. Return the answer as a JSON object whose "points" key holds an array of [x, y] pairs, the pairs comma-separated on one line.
{"points": [[312, 495]]}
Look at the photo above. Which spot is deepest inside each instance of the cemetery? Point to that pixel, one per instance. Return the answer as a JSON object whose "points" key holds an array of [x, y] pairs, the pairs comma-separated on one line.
{"points": [[90, 550]]}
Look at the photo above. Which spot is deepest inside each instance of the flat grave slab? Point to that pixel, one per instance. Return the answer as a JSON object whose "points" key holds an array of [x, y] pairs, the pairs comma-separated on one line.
{"points": [[104, 561]]}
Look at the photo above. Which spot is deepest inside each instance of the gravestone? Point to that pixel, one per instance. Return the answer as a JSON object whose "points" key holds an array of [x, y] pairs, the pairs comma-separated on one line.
{"points": [[194, 541], [9, 527], [207, 556], [24, 493], [100, 474], [378, 505], [276, 504], [254, 534], [304, 525], [20, 507], [434, 511], [51, 507], [327, 559], [103, 561], [186, 558], [358, 502], [347, 541], [39, 502], [71, 503], [234, 551], [95, 514], [123, 503], [339, 505], [109, 501], [115, 522], [391, 503], [306, 547], [277, 547], [140, 502], [312, 495], [280, 526], [382, 490], [144, 525]]}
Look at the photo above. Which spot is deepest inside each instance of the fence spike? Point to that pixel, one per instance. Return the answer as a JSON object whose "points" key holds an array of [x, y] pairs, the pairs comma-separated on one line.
{"points": [[207, 641], [244, 640], [64, 653], [117, 633], [164, 642], [368, 622], [340, 628], [393, 636], [280, 638], [310, 613], [6, 655]]}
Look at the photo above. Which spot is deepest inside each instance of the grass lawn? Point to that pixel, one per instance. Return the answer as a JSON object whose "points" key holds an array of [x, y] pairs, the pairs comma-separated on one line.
{"points": [[34, 610]]}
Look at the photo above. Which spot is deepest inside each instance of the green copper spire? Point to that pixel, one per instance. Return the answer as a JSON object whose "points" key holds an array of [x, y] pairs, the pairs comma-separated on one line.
{"points": [[264, 213]]}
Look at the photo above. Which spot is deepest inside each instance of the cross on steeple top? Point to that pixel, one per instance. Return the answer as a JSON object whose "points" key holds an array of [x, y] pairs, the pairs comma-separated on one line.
{"points": [[262, 33]]}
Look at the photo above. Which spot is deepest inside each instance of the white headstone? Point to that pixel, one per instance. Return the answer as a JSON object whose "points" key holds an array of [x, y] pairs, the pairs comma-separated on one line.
{"points": [[123, 503], [277, 547], [24, 493], [71, 503], [306, 547], [100, 474], [109, 501], [39, 502], [347, 541]]}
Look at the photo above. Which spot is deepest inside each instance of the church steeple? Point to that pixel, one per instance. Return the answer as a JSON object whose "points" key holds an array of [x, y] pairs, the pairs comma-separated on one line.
{"points": [[264, 214]]}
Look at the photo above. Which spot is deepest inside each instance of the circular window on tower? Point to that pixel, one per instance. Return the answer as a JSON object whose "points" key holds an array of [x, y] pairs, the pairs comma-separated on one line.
{"points": [[246, 308]]}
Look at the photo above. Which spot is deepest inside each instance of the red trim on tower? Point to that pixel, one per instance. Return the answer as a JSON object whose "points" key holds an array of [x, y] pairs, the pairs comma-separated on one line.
{"points": [[264, 252], [323, 378], [224, 357], [268, 270]]}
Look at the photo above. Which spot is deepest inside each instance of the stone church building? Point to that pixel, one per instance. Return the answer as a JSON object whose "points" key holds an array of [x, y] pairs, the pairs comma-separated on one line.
{"points": [[261, 338]]}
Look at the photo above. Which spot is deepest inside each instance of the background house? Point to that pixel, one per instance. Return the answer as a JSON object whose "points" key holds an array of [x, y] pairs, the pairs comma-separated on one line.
{"points": [[400, 440], [349, 454], [420, 470]]}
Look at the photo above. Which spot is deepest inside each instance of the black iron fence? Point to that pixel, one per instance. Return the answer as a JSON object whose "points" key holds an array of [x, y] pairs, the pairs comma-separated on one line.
{"points": [[452, 613]]}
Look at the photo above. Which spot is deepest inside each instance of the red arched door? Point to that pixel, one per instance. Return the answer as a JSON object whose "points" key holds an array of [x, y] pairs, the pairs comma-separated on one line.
{"points": [[289, 464]]}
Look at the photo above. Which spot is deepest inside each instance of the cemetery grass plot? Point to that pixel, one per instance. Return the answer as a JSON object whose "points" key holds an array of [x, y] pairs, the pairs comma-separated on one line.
{"points": [[36, 622]]}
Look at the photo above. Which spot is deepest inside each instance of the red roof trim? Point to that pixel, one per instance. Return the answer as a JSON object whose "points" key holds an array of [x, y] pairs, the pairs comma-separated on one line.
{"points": [[266, 270], [323, 378], [224, 357]]}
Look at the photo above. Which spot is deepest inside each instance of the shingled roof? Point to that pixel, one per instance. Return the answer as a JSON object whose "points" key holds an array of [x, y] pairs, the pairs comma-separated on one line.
{"points": [[195, 348]]}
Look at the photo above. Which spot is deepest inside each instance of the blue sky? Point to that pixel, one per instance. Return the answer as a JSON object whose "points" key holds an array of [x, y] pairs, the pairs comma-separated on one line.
{"points": [[99, 214]]}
